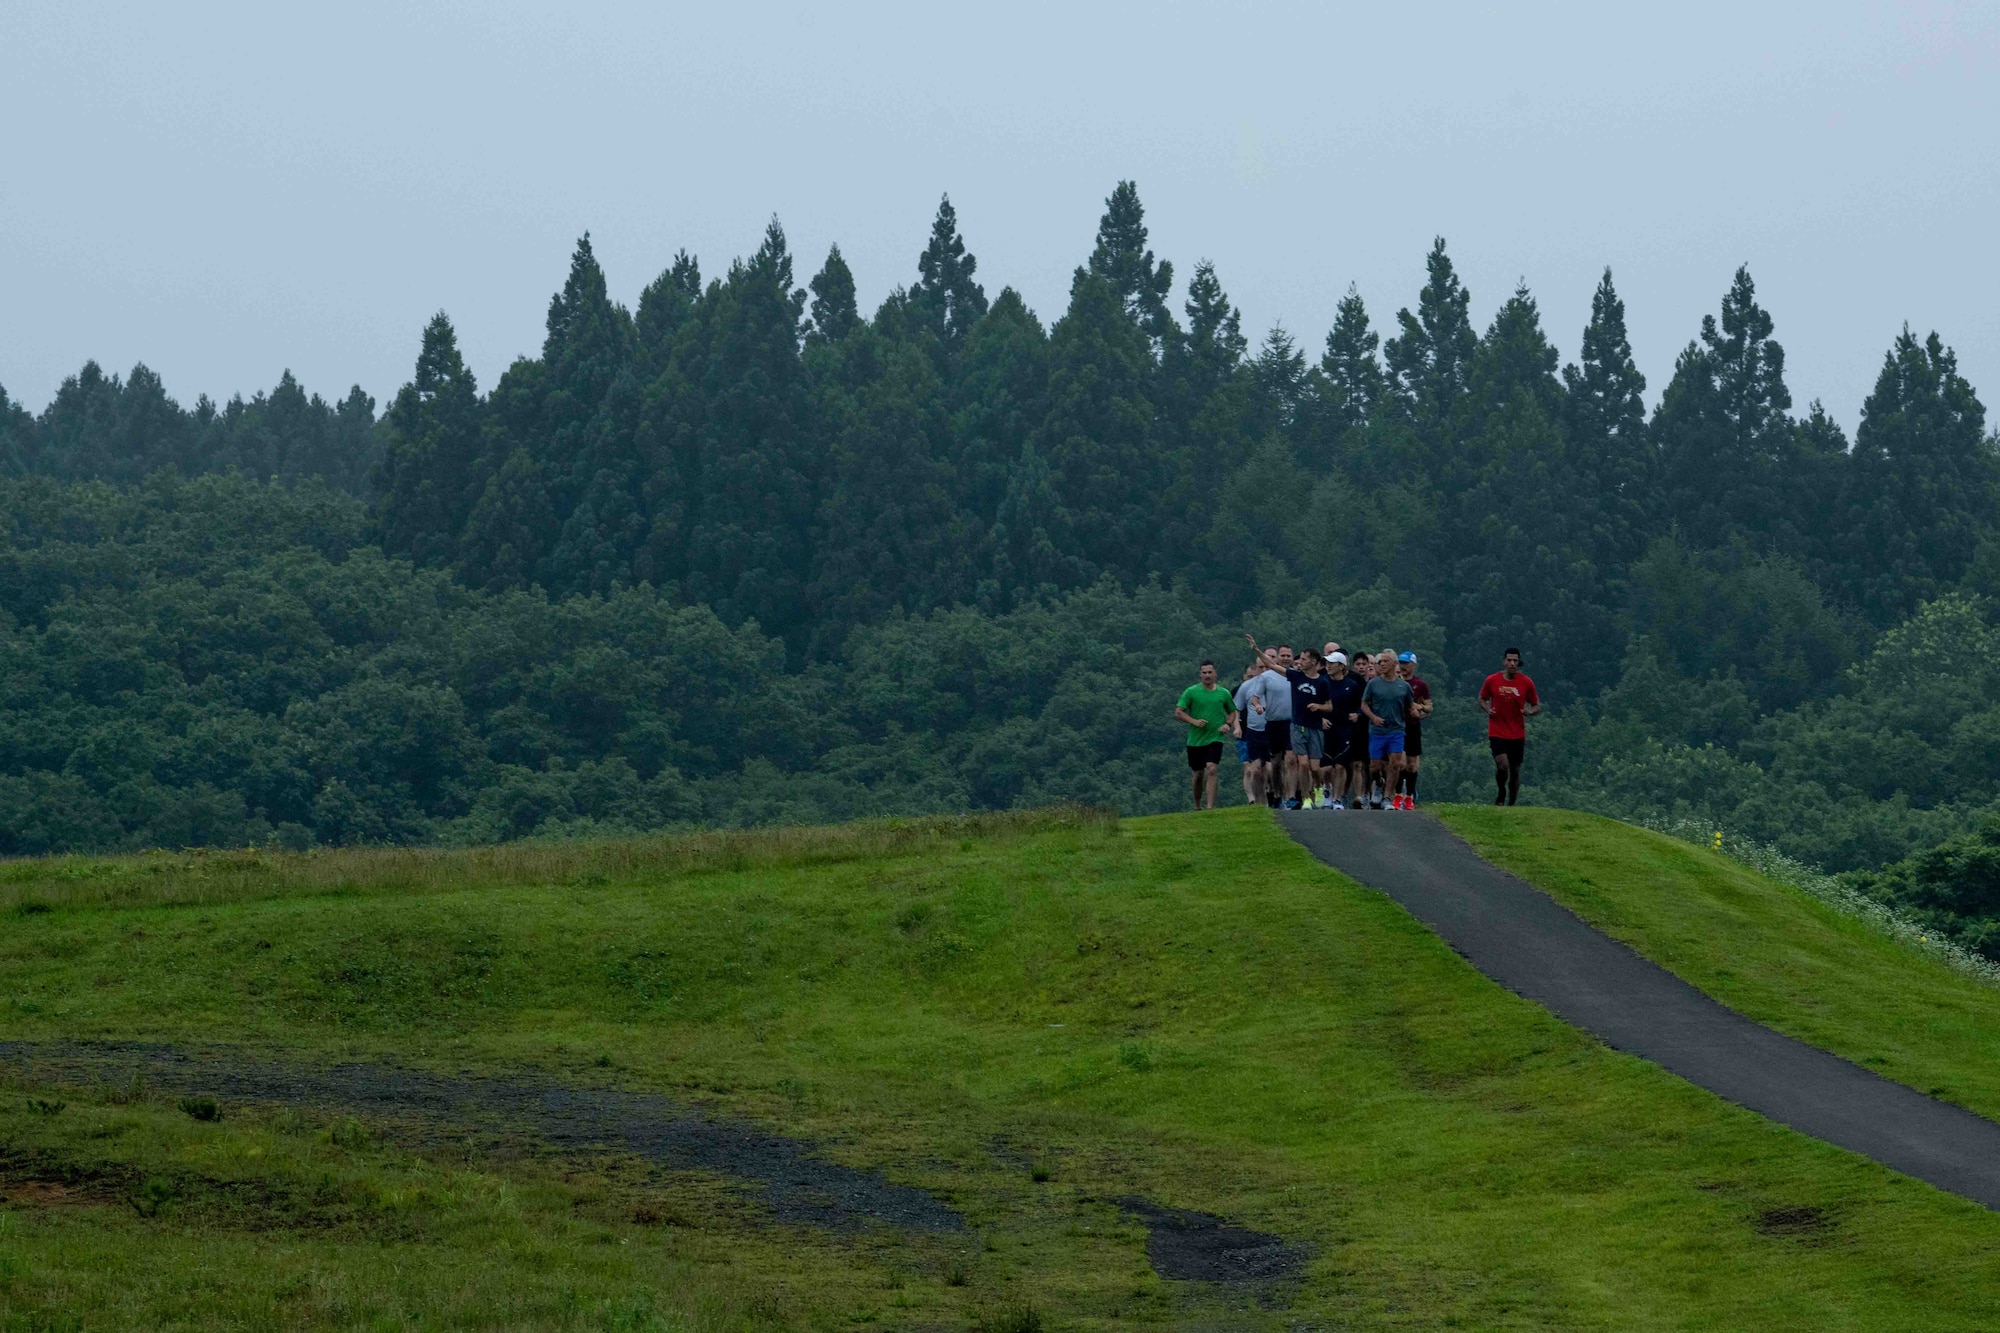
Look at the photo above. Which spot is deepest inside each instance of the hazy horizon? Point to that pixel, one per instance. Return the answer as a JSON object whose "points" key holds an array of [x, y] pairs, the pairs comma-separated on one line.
{"points": [[226, 195]]}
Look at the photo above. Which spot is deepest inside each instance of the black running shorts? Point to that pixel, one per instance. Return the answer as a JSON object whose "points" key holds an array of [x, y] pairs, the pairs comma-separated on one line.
{"points": [[1278, 735], [1513, 748], [1201, 756], [1413, 737]]}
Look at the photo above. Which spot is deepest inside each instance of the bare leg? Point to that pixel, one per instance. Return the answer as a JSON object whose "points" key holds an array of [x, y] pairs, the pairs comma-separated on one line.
{"points": [[1213, 773], [1500, 767], [1197, 791], [1395, 774]]}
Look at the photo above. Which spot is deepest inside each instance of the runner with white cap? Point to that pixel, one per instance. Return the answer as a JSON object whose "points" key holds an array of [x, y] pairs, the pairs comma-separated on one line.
{"points": [[1344, 753]]}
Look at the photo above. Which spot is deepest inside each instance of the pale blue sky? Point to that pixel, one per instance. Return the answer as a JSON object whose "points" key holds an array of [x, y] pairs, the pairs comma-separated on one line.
{"points": [[223, 191]]}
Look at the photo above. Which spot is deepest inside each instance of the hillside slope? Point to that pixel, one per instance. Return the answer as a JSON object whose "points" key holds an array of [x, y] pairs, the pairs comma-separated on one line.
{"points": [[443, 1083], [1762, 948]]}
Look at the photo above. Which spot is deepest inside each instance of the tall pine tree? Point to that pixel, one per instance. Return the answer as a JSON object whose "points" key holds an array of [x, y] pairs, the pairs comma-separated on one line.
{"points": [[1431, 360], [1610, 454], [945, 297], [1522, 573], [1098, 439], [1723, 431], [1351, 384], [736, 457], [1920, 484], [1123, 261], [834, 314], [999, 399]]}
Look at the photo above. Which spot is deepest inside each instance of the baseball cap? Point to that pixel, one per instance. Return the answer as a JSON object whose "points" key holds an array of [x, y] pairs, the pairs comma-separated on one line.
{"points": [[1337, 656], [1406, 657]]}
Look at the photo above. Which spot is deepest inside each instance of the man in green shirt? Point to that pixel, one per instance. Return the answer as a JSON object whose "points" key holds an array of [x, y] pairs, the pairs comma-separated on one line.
{"points": [[1210, 714]]}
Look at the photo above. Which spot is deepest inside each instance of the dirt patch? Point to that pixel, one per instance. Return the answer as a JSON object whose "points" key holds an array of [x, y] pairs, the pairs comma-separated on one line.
{"points": [[789, 1175], [1201, 1247], [45, 1180], [40, 1194], [1800, 1221]]}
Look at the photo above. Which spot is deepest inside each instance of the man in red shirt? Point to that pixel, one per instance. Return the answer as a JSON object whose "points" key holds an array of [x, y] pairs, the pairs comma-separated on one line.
{"points": [[1509, 699], [1413, 727]]}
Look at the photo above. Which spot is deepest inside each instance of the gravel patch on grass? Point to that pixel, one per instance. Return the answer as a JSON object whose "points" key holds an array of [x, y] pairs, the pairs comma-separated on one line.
{"points": [[791, 1177]]}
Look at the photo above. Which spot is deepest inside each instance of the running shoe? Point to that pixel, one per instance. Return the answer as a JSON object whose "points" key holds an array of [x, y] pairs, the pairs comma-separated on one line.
{"points": [[1339, 804], [1292, 803]]}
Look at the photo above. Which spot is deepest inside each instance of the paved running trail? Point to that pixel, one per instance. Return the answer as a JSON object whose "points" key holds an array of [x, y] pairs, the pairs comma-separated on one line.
{"points": [[1526, 941]]}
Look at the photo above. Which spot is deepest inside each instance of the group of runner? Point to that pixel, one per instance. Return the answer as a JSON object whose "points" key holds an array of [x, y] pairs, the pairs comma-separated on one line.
{"points": [[1316, 730]]}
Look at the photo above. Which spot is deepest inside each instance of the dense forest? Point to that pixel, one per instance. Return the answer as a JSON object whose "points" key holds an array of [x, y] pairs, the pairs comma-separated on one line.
{"points": [[742, 554]]}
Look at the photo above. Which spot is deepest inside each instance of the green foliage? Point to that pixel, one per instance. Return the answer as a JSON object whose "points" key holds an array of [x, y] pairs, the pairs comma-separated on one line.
{"points": [[101, 427], [645, 579], [1953, 887]]}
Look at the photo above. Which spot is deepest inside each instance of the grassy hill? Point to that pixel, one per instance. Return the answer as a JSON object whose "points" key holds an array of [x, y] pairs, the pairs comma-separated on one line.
{"points": [[1762, 948], [452, 1089]]}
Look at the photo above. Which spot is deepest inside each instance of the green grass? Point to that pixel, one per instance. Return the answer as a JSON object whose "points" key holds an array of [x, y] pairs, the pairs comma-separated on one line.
{"points": [[1760, 947], [1188, 1008]]}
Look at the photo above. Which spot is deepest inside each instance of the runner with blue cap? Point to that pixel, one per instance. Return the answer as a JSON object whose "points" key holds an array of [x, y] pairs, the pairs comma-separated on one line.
{"points": [[1413, 727]]}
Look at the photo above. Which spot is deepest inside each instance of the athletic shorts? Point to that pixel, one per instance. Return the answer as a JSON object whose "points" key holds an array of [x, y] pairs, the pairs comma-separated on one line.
{"points": [[1280, 734], [1309, 741], [1413, 738], [1382, 745], [1512, 747], [1201, 756], [1242, 750], [1354, 748], [1259, 745]]}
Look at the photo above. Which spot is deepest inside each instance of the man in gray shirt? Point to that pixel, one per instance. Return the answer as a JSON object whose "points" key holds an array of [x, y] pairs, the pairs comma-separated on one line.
{"points": [[1266, 701], [1386, 705]]}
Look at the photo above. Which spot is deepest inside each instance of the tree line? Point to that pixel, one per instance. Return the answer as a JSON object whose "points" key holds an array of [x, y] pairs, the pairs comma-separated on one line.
{"points": [[857, 506]]}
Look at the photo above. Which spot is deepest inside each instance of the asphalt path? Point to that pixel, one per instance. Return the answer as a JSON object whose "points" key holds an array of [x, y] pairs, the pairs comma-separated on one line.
{"points": [[1526, 941]]}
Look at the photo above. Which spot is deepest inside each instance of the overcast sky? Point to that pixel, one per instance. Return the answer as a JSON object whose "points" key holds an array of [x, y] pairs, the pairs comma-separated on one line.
{"points": [[224, 191]]}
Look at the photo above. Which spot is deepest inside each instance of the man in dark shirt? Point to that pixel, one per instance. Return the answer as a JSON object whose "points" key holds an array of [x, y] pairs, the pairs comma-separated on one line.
{"points": [[1308, 727], [1343, 702]]}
